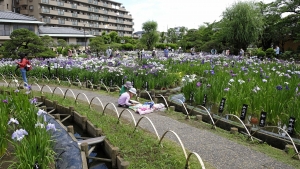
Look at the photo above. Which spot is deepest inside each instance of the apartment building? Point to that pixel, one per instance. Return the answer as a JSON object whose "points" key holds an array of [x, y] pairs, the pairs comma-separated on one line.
{"points": [[92, 16]]}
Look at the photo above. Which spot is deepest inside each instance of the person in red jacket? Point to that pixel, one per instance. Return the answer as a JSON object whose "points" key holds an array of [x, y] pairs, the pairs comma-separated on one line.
{"points": [[22, 65]]}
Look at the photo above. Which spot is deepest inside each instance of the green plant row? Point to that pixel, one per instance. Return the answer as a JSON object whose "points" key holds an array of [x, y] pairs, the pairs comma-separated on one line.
{"points": [[24, 127]]}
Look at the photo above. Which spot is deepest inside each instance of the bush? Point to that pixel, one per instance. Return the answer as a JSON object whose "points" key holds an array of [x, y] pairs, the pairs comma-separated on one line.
{"points": [[59, 50], [127, 46], [270, 53], [261, 54]]}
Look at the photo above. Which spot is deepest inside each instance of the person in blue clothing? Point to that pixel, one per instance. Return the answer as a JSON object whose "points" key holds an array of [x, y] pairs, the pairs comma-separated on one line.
{"points": [[166, 51]]}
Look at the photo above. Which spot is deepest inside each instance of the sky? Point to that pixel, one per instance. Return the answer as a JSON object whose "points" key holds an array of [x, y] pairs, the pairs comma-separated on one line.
{"points": [[173, 13]]}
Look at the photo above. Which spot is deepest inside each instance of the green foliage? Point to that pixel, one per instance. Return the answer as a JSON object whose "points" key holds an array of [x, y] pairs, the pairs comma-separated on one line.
{"points": [[22, 40], [48, 41], [261, 54], [127, 46], [97, 44], [150, 37], [59, 50], [65, 52], [114, 37], [270, 53], [172, 45], [47, 53], [74, 46], [62, 43], [242, 24]]}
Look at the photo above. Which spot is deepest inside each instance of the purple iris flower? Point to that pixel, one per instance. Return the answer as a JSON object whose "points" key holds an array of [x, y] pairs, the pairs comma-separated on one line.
{"points": [[4, 101], [19, 134], [287, 87], [198, 84], [226, 89], [33, 101], [50, 126], [279, 87], [212, 72]]}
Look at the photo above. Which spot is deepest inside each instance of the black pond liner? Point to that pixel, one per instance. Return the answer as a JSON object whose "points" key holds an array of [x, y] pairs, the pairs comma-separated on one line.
{"points": [[68, 153]]}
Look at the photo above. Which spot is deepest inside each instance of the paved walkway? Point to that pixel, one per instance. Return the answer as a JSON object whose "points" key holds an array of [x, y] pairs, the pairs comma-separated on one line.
{"points": [[216, 150]]}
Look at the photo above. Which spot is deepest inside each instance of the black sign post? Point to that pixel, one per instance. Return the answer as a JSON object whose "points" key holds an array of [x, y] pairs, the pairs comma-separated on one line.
{"points": [[191, 98], [222, 105], [204, 100], [291, 126], [244, 112], [146, 86], [110, 83], [262, 120]]}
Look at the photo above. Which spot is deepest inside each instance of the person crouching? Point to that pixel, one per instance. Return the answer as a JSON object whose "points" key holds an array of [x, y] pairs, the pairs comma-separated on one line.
{"points": [[124, 99]]}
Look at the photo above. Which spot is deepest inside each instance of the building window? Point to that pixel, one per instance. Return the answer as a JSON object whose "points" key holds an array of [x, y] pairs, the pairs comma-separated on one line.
{"points": [[4, 29]]}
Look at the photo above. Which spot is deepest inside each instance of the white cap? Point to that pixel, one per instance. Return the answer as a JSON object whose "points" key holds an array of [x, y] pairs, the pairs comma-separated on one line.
{"points": [[132, 90]]}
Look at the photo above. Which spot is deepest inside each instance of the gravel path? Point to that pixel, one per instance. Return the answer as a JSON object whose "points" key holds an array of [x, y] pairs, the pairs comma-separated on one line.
{"points": [[216, 150]]}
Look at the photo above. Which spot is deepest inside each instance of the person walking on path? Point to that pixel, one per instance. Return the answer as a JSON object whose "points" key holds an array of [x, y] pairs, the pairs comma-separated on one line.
{"points": [[22, 64], [125, 87], [124, 99]]}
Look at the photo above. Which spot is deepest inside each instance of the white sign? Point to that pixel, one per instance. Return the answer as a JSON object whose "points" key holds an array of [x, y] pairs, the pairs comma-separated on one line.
{"points": [[55, 65]]}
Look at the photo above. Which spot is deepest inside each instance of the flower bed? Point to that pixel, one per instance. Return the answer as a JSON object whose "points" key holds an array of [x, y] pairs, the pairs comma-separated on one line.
{"points": [[23, 125]]}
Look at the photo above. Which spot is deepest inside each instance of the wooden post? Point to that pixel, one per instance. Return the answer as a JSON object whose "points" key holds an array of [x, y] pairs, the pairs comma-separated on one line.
{"points": [[56, 116], [85, 148], [54, 104], [234, 130], [70, 129]]}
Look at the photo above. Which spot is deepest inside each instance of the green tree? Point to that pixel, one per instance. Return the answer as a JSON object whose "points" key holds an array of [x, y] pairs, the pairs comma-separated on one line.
{"points": [[25, 41], [150, 37], [171, 36], [48, 41], [114, 37], [97, 44], [242, 24], [62, 43], [162, 37]]}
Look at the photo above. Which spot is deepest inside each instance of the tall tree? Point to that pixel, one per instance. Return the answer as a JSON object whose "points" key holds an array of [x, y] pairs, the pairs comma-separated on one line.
{"points": [[97, 44], [150, 37], [171, 35], [242, 24], [162, 37]]}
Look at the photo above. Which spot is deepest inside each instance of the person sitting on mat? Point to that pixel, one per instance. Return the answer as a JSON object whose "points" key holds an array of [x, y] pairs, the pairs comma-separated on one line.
{"points": [[124, 99]]}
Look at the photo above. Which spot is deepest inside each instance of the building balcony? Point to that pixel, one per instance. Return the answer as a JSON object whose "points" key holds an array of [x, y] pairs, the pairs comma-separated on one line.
{"points": [[23, 2], [24, 11], [45, 1]]}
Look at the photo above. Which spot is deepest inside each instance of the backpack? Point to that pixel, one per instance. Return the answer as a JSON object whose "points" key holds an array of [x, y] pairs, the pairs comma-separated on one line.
{"points": [[28, 66]]}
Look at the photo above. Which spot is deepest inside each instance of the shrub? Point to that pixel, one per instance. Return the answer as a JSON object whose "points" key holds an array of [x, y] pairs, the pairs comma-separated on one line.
{"points": [[127, 46], [270, 53], [261, 54]]}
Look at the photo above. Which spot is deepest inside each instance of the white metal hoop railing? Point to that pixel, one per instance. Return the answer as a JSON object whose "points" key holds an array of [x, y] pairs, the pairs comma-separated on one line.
{"points": [[149, 95], [198, 157], [151, 124], [178, 138], [295, 148], [116, 110], [240, 122], [59, 90], [47, 87], [130, 114], [211, 118], [84, 96], [165, 101], [90, 106], [71, 92], [37, 85]]}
